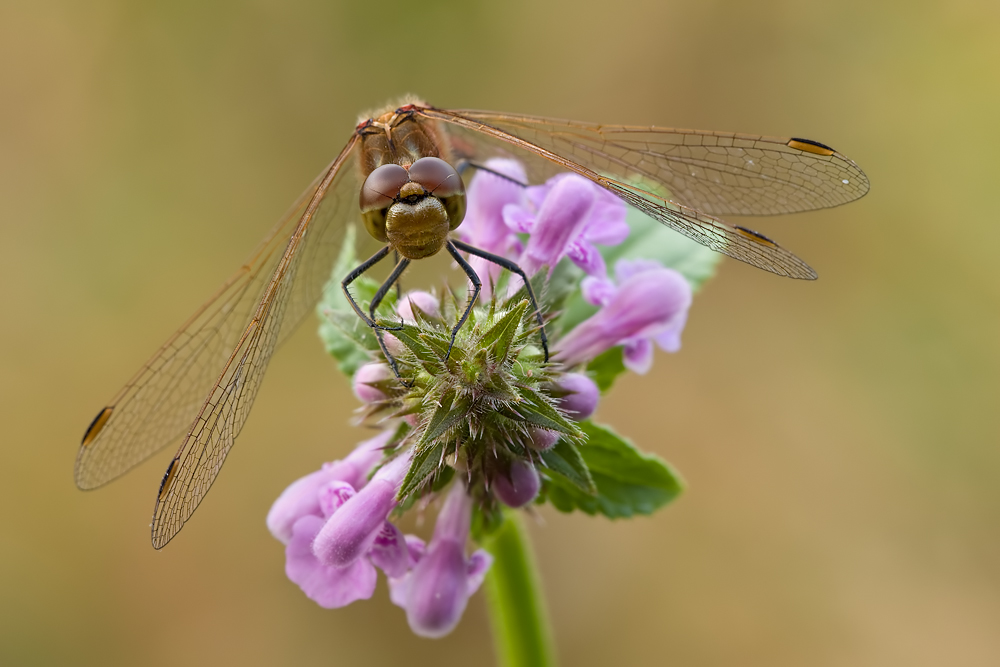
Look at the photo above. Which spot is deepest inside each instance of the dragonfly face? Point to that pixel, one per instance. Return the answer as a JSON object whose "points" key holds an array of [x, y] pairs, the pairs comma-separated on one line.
{"points": [[413, 209], [199, 386]]}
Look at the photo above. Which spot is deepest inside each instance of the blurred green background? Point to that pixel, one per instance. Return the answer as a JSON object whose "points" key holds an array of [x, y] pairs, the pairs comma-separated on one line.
{"points": [[840, 438]]}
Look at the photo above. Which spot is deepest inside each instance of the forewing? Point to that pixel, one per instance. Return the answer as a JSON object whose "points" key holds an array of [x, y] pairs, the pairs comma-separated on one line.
{"points": [[719, 173], [159, 403], [291, 293], [475, 139]]}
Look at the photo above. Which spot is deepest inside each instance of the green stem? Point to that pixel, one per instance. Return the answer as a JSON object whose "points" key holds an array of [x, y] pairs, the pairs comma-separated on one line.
{"points": [[516, 602]]}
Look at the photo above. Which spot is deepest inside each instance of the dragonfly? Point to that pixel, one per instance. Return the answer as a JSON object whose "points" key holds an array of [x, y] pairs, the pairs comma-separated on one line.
{"points": [[199, 386]]}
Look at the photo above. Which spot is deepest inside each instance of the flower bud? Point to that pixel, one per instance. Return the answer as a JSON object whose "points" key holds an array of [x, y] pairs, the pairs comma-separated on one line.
{"points": [[542, 439], [425, 301], [368, 375], [581, 398], [520, 486]]}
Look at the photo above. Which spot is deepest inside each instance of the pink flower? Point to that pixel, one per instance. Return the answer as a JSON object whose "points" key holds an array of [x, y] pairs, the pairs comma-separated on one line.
{"points": [[543, 439], [331, 585], [353, 528], [437, 589], [328, 586], [566, 217], [483, 226], [650, 303], [301, 498]]}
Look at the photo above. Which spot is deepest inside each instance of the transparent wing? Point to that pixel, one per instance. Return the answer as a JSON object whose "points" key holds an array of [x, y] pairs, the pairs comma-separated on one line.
{"points": [[475, 139], [159, 403], [291, 292], [719, 173]]}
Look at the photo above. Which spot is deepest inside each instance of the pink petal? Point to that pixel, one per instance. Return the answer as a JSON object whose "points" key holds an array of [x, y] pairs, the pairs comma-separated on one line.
{"points": [[351, 530], [478, 565], [425, 301], [438, 590], [586, 257], [334, 494], [638, 355], [518, 219], [330, 587], [644, 305], [581, 401], [560, 221], [598, 291], [389, 551], [367, 375]]}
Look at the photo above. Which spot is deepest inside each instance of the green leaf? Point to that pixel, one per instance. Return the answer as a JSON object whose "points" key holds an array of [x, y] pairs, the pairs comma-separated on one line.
{"points": [[628, 481], [565, 463], [345, 337], [606, 367], [444, 417]]}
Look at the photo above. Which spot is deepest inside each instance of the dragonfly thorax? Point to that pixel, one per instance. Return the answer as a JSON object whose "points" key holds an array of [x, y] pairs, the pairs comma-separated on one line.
{"points": [[413, 209]]}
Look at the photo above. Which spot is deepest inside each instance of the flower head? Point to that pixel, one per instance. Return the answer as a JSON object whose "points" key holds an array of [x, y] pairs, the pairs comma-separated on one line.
{"points": [[478, 415]]}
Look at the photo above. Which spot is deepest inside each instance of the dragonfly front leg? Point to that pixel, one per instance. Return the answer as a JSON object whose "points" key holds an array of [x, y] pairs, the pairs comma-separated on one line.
{"points": [[477, 286], [376, 300], [513, 268], [354, 275]]}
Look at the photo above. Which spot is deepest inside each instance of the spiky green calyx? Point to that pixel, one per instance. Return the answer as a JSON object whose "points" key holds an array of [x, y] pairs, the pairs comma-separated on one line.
{"points": [[472, 410]]}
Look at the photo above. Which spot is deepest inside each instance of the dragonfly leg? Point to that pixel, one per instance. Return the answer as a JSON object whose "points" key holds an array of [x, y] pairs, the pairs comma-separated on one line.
{"points": [[354, 275], [477, 286], [399, 287], [376, 300], [513, 268]]}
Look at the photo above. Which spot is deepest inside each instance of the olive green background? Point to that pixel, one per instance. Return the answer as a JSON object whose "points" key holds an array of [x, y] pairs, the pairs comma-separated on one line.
{"points": [[840, 438]]}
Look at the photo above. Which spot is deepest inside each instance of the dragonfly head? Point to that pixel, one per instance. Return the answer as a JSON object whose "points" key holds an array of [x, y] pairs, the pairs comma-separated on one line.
{"points": [[413, 209]]}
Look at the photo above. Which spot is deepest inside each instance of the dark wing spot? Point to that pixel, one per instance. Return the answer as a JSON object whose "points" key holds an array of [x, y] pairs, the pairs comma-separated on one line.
{"points": [[95, 426], [757, 236], [810, 146], [168, 478]]}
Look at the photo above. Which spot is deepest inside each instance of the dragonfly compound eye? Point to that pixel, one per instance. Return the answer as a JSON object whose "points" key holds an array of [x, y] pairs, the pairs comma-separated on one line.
{"points": [[377, 194], [440, 179]]}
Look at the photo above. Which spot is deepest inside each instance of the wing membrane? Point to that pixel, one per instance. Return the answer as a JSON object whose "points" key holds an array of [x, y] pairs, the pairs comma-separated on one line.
{"points": [[719, 173], [159, 403], [474, 138], [292, 291]]}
